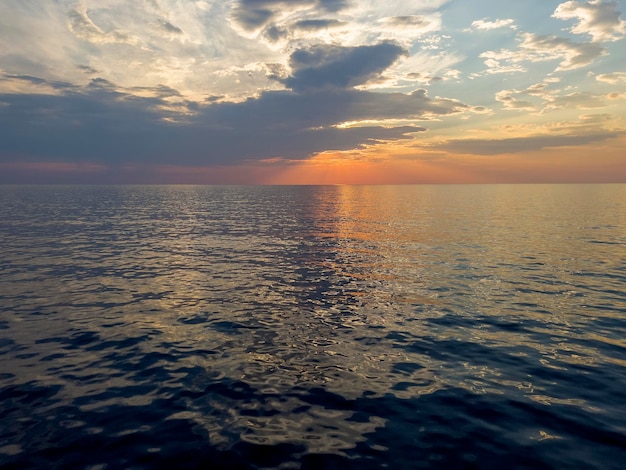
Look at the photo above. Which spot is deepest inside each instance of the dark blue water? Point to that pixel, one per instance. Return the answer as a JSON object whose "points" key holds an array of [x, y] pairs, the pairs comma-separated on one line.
{"points": [[313, 327]]}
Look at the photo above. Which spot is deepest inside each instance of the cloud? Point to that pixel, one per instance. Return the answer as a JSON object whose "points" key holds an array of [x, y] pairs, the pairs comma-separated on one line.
{"points": [[104, 123], [614, 78], [15, 83], [209, 82], [493, 61], [251, 19], [522, 144], [170, 28], [285, 25], [413, 22], [577, 100], [585, 124], [87, 70], [406, 29], [533, 98], [343, 67], [572, 55], [541, 97], [253, 15], [539, 48], [487, 25], [143, 43], [203, 48], [599, 19], [317, 24], [423, 68], [84, 28], [334, 5], [104, 126], [510, 100]]}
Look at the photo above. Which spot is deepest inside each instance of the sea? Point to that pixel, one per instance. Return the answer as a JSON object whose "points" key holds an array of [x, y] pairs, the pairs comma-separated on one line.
{"points": [[313, 327]]}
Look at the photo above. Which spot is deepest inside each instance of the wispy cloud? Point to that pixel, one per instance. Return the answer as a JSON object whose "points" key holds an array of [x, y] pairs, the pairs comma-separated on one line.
{"points": [[522, 144], [614, 77], [84, 28], [544, 97], [534, 48], [487, 25]]}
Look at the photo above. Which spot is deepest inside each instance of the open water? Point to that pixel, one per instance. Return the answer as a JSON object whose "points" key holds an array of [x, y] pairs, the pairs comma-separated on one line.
{"points": [[313, 327]]}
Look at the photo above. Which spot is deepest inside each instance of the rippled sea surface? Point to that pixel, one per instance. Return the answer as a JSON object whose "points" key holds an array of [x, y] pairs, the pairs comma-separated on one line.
{"points": [[313, 327]]}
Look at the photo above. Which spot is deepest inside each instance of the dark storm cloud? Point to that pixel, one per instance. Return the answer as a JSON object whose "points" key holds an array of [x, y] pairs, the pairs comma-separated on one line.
{"points": [[342, 67], [104, 124]]}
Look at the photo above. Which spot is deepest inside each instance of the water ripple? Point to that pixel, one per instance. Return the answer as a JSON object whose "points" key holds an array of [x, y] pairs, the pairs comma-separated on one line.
{"points": [[313, 327]]}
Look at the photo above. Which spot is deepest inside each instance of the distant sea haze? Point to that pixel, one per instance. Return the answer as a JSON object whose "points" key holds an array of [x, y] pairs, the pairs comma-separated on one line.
{"points": [[478, 326]]}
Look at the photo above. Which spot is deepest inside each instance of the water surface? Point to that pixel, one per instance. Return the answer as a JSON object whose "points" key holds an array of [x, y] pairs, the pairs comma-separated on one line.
{"points": [[313, 327]]}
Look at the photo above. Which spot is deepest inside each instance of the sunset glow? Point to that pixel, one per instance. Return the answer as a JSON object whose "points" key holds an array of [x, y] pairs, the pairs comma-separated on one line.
{"points": [[312, 92]]}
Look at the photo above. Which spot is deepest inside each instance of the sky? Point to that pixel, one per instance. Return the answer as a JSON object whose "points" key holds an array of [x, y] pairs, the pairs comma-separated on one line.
{"points": [[312, 91]]}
